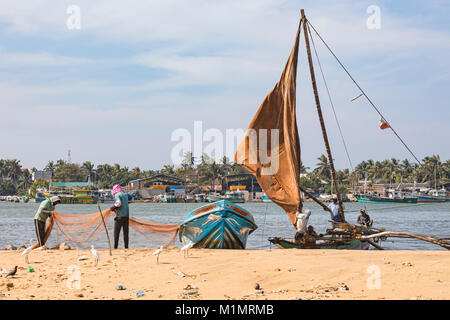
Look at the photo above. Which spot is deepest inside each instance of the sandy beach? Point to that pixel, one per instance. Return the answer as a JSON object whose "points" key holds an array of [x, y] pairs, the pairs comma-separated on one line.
{"points": [[228, 274]]}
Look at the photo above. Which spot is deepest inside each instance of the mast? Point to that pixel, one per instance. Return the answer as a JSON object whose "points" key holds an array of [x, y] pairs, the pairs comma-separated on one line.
{"points": [[319, 111]]}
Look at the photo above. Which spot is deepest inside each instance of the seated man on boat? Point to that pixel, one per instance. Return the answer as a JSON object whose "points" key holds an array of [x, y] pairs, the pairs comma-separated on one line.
{"points": [[43, 213], [364, 219], [334, 207], [310, 236]]}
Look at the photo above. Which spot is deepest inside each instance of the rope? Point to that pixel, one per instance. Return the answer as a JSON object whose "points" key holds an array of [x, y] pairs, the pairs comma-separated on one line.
{"points": [[362, 91], [329, 97]]}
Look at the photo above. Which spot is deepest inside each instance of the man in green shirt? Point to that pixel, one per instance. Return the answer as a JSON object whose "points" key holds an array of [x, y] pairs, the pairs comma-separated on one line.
{"points": [[44, 211], [121, 221]]}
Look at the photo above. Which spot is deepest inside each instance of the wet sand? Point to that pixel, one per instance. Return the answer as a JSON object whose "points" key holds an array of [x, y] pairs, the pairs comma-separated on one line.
{"points": [[228, 274]]}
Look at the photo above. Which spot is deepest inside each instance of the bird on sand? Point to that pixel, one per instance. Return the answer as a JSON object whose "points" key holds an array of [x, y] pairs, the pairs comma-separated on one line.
{"points": [[27, 251], [157, 253], [186, 248], [12, 272], [95, 254]]}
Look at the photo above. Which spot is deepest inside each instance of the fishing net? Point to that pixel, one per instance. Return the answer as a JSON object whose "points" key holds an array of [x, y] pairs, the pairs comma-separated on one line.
{"points": [[80, 229]]}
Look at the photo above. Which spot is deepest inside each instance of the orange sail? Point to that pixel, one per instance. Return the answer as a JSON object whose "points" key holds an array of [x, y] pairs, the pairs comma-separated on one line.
{"points": [[276, 169]]}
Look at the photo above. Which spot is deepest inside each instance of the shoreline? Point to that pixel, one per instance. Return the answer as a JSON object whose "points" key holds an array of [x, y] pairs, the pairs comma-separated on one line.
{"points": [[286, 274]]}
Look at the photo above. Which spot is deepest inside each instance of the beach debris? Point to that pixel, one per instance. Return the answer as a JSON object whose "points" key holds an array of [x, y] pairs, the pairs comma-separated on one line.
{"points": [[79, 295], [95, 254], [257, 286], [9, 285], [10, 247], [139, 293], [30, 269], [12, 273], [4, 271], [186, 248], [81, 258], [120, 287], [63, 246], [190, 290], [407, 264], [157, 253], [181, 274], [344, 287]]}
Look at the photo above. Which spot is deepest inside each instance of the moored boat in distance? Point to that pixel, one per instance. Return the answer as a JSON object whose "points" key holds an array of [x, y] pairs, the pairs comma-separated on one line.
{"points": [[433, 196], [391, 196], [220, 225]]}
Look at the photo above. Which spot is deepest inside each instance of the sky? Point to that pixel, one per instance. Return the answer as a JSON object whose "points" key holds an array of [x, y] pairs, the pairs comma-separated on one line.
{"points": [[115, 90]]}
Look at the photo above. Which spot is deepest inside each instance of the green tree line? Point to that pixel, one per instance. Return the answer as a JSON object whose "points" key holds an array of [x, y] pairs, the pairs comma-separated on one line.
{"points": [[16, 180]]}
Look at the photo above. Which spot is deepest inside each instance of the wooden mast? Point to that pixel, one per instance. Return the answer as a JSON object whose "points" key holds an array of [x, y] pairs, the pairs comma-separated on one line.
{"points": [[319, 111]]}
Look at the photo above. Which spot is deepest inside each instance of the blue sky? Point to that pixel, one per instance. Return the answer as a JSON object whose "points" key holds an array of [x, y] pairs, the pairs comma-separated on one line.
{"points": [[115, 90]]}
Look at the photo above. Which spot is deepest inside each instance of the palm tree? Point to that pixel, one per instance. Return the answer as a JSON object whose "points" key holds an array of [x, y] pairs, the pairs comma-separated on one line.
{"points": [[50, 167], [89, 168], [323, 169]]}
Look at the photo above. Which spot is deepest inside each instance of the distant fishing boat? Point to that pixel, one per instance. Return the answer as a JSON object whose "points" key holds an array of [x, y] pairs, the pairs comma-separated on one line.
{"points": [[433, 196], [220, 225], [265, 198], [190, 198], [392, 197], [232, 196]]}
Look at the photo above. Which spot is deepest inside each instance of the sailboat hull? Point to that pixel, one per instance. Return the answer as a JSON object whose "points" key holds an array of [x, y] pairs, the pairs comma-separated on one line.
{"points": [[220, 225], [353, 244]]}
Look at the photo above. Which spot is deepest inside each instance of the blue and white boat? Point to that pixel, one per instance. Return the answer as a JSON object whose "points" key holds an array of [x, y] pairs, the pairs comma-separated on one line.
{"points": [[220, 225]]}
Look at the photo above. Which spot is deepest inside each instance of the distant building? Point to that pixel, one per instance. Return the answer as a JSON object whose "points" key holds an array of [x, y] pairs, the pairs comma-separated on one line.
{"points": [[42, 174], [243, 181], [158, 184]]}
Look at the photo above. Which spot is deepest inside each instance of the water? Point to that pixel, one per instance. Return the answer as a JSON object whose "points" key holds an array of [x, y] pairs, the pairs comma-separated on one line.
{"points": [[17, 227]]}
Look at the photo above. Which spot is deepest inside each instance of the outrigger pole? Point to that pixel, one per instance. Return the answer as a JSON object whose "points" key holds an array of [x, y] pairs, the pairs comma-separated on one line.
{"points": [[319, 111]]}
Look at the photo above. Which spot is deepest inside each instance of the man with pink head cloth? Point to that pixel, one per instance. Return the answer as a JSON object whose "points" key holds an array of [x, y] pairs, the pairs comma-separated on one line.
{"points": [[121, 221]]}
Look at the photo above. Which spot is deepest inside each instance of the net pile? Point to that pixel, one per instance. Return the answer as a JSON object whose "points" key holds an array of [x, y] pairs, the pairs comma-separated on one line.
{"points": [[81, 228]]}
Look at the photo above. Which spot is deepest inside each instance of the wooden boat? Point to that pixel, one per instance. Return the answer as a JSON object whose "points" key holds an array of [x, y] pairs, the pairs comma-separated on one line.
{"points": [[270, 151], [350, 244], [190, 199], [233, 196], [433, 196], [220, 225], [365, 198]]}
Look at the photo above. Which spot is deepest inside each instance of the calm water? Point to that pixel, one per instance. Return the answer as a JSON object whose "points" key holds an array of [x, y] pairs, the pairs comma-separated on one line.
{"points": [[16, 221]]}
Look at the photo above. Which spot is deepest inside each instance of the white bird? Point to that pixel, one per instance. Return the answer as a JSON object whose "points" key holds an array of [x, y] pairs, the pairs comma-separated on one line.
{"points": [[27, 251], [41, 248], [186, 248], [95, 254], [157, 253]]}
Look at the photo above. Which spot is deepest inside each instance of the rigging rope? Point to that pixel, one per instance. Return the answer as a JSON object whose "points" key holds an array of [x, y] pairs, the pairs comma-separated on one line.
{"points": [[329, 97], [362, 91]]}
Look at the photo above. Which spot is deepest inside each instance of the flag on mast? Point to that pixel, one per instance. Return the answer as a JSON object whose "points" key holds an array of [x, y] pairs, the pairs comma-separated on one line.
{"points": [[383, 124]]}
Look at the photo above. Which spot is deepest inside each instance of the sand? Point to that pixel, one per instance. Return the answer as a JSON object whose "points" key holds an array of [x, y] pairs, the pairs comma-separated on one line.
{"points": [[229, 274]]}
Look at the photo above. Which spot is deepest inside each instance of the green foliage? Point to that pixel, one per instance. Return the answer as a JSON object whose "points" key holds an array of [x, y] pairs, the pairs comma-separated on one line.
{"points": [[15, 180], [7, 189], [37, 184]]}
